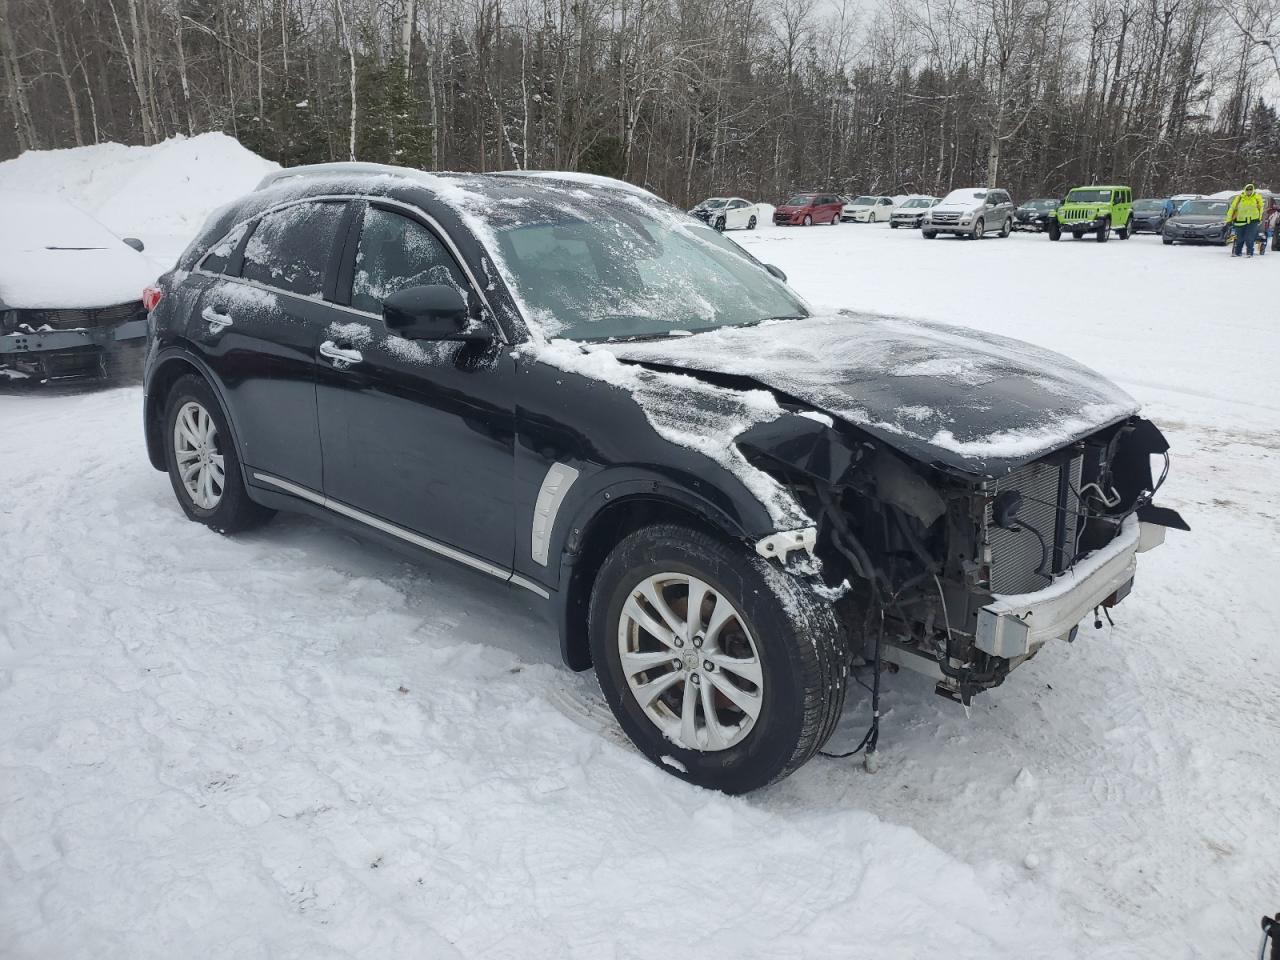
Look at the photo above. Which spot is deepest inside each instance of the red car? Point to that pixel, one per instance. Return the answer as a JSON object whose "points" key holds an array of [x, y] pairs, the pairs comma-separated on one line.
{"points": [[808, 209]]}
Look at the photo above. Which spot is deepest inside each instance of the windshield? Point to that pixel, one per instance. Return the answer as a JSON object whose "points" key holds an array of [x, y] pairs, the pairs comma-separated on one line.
{"points": [[1041, 204], [1148, 206], [599, 271], [802, 200], [965, 196], [1089, 196], [863, 202], [1204, 208], [918, 202], [714, 203]]}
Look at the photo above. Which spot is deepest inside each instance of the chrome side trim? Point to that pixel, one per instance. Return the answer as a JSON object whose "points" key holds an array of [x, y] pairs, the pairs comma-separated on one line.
{"points": [[555, 485], [407, 535]]}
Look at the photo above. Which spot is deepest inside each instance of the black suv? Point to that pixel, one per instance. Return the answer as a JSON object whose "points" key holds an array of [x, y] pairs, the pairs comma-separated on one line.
{"points": [[723, 501]]}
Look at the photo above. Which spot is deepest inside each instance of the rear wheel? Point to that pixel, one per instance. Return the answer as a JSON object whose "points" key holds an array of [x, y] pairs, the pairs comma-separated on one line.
{"points": [[201, 457], [1125, 232], [720, 667]]}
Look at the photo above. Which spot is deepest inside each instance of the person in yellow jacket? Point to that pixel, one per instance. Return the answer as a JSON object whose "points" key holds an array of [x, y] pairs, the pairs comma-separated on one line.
{"points": [[1244, 215]]}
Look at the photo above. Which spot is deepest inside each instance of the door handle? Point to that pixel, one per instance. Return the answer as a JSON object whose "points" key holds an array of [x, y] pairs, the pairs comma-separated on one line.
{"points": [[217, 321], [341, 356]]}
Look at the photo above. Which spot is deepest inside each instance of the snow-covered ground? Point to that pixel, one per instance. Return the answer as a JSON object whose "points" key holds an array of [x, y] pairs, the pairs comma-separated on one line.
{"points": [[296, 744]]}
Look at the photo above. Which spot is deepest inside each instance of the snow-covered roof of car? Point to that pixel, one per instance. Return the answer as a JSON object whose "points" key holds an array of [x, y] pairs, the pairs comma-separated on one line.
{"points": [[53, 255]]}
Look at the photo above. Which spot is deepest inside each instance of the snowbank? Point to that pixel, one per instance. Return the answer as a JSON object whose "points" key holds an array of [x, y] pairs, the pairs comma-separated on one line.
{"points": [[160, 194]]}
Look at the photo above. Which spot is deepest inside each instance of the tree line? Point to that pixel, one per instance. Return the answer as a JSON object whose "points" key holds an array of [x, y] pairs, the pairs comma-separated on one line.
{"points": [[687, 97]]}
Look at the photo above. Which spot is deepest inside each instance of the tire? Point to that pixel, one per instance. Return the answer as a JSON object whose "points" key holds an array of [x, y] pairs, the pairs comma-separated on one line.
{"points": [[1006, 229], [835, 219], [929, 234], [892, 225], [979, 230], [719, 225], [1125, 232], [871, 217], [1104, 232], [1055, 231], [751, 224], [1168, 240], [232, 511], [789, 636], [808, 220]]}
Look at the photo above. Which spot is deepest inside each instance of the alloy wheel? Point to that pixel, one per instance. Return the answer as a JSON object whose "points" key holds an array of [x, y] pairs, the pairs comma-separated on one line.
{"points": [[690, 662], [199, 459]]}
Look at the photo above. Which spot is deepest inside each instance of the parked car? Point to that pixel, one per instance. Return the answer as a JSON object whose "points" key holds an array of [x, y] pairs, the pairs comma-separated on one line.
{"points": [[1034, 215], [1096, 210], [1180, 198], [71, 293], [727, 213], [911, 211], [807, 209], [1198, 221], [971, 212], [1149, 215], [868, 209], [564, 384]]}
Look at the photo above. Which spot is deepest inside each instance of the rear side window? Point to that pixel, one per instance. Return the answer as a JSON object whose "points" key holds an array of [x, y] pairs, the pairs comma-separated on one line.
{"points": [[219, 255], [396, 252], [290, 248]]}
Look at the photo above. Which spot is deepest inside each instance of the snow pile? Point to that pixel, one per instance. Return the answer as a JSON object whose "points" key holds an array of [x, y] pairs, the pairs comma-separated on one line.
{"points": [[160, 194]]}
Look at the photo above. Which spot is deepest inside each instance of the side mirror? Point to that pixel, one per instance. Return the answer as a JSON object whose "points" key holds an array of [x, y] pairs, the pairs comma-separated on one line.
{"points": [[776, 271], [135, 243], [434, 312]]}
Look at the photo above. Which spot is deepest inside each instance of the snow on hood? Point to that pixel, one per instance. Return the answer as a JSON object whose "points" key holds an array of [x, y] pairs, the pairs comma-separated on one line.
{"points": [[53, 255], [940, 394]]}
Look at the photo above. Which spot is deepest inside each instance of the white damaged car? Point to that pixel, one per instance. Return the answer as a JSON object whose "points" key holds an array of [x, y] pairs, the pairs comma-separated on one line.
{"points": [[71, 293]]}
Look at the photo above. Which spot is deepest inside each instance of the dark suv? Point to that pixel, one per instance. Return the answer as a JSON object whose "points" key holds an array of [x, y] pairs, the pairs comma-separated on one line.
{"points": [[721, 500]]}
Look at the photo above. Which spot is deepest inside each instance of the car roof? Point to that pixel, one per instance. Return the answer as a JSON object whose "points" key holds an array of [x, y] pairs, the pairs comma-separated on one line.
{"points": [[1102, 186]]}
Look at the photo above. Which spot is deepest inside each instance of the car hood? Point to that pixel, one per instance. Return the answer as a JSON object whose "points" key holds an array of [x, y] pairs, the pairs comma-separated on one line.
{"points": [[944, 395], [73, 278], [958, 207]]}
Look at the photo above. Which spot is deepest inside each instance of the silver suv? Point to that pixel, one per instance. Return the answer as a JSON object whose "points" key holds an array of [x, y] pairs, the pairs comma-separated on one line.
{"points": [[971, 212]]}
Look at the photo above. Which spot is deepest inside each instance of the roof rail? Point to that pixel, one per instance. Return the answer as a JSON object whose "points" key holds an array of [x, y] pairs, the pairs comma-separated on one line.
{"points": [[333, 169]]}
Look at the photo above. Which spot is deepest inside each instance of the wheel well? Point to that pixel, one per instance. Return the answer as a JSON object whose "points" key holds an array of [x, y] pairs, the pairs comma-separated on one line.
{"points": [[605, 530], [162, 379]]}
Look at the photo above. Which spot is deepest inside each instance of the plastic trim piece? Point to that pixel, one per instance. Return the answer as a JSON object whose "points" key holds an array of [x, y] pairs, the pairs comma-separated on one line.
{"points": [[780, 545], [555, 486], [407, 535]]}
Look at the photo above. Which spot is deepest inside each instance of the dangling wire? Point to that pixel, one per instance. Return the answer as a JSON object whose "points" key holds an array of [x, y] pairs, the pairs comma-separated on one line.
{"points": [[872, 736]]}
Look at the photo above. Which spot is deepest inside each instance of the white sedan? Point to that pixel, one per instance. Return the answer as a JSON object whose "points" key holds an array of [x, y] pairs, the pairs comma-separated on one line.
{"points": [[728, 213], [869, 210]]}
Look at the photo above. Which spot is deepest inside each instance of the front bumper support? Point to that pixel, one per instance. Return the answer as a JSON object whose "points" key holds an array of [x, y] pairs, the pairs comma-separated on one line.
{"points": [[48, 340], [1017, 625]]}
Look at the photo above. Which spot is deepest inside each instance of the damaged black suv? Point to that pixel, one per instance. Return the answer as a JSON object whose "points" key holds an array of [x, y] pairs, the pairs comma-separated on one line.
{"points": [[723, 500]]}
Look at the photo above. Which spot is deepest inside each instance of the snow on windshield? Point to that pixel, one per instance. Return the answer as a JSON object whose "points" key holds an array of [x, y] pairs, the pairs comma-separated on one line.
{"points": [[966, 195]]}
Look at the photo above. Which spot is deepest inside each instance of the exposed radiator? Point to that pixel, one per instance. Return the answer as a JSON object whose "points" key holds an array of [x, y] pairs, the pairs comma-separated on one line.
{"points": [[1016, 554]]}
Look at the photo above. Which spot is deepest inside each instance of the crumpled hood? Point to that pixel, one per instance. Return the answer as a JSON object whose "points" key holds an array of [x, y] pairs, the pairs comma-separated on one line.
{"points": [[940, 394]]}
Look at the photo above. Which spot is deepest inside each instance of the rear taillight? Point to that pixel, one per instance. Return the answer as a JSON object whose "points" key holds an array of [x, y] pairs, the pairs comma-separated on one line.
{"points": [[151, 298]]}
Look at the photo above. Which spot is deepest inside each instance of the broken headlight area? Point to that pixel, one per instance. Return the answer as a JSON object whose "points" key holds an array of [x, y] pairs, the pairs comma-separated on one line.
{"points": [[928, 552]]}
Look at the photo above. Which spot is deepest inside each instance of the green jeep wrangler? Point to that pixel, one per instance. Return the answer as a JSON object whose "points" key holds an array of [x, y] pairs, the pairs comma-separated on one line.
{"points": [[1094, 210]]}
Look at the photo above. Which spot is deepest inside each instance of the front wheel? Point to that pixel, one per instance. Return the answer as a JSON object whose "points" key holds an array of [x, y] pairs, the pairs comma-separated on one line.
{"points": [[1055, 230], [892, 225], [929, 234], [204, 467], [720, 225], [808, 220], [871, 217], [751, 224], [1104, 232], [722, 668], [979, 230], [1007, 228], [1168, 240]]}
